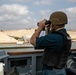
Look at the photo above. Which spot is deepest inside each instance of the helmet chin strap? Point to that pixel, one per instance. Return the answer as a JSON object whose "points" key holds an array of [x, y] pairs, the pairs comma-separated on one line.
{"points": [[53, 28]]}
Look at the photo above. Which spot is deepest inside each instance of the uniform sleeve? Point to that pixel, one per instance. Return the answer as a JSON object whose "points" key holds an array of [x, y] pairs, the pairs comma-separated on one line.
{"points": [[40, 43], [49, 41]]}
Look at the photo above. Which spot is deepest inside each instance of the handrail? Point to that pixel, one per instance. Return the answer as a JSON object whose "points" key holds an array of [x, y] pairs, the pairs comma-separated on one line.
{"points": [[30, 52], [27, 52]]}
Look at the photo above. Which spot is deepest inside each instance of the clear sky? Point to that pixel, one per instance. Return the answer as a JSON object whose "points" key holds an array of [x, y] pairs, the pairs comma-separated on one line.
{"points": [[21, 14]]}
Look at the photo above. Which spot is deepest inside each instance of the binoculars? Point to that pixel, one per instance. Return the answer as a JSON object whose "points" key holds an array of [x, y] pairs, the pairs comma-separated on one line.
{"points": [[47, 22]]}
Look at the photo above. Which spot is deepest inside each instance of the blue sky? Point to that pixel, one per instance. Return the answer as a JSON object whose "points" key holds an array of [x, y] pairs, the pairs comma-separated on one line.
{"points": [[21, 14]]}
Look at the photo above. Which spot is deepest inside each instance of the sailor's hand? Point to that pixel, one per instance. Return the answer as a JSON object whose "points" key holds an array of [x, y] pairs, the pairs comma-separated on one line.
{"points": [[41, 24]]}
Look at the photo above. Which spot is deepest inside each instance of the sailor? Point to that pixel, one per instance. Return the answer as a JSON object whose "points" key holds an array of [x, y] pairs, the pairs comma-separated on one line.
{"points": [[56, 43]]}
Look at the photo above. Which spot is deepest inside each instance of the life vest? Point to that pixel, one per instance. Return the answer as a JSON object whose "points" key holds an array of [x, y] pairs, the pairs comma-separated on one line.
{"points": [[59, 59], [65, 50]]}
